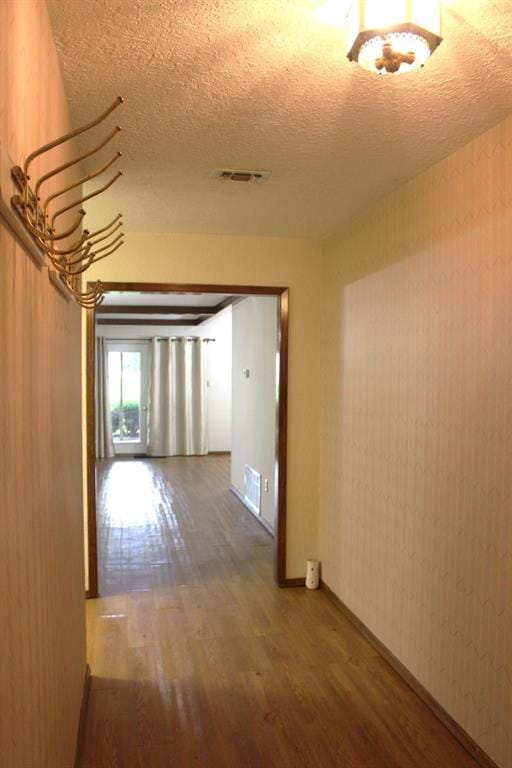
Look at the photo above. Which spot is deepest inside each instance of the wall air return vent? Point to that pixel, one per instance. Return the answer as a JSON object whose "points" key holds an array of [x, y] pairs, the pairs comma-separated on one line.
{"points": [[252, 489], [256, 177]]}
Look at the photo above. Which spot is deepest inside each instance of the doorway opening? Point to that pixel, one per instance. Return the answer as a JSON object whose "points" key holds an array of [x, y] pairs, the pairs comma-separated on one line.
{"points": [[134, 361], [127, 365]]}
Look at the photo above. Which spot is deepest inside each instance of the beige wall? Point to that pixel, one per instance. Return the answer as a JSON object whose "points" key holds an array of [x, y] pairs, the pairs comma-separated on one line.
{"points": [[42, 630], [254, 261], [416, 517]]}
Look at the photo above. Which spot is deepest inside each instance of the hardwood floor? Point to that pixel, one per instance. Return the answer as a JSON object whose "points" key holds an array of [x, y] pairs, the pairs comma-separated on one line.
{"points": [[199, 660]]}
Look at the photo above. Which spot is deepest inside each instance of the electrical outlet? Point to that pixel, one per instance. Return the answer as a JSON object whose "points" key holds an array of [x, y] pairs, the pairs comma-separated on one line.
{"points": [[265, 485]]}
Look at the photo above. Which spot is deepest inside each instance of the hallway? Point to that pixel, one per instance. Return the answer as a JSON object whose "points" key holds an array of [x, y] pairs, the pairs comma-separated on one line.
{"points": [[199, 660]]}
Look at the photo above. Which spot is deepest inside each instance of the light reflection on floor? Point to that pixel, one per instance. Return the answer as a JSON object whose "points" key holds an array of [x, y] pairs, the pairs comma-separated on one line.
{"points": [[141, 517], [130, 498]]}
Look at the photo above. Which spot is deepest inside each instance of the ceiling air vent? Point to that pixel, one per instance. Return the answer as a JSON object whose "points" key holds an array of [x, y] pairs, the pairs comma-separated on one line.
{"points": [[257, 177]]}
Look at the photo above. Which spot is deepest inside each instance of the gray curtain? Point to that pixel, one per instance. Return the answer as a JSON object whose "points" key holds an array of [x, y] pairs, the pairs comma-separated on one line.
{"points": [[104, 441], [177, 398]]}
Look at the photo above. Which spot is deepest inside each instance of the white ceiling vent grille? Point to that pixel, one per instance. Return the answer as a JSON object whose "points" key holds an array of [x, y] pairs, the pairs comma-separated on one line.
{"points": [[229, 174]]}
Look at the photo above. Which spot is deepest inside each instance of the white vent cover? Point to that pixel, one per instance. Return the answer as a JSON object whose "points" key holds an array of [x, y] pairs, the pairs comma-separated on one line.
{"points": [[229, 174], [252, 489]]}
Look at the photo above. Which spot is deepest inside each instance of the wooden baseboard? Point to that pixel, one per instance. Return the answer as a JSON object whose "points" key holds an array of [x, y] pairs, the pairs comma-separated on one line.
{"points": [[80, 739], [219, 453], [300, 582], [460, 734], [261, 520]]}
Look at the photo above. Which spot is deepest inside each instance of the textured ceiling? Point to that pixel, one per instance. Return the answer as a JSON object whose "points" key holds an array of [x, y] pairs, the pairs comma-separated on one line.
{"points": [[265, 85]]}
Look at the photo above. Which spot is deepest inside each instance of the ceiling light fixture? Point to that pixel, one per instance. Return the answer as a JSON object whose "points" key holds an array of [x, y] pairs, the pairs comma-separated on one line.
{"points": [[395, 35]]}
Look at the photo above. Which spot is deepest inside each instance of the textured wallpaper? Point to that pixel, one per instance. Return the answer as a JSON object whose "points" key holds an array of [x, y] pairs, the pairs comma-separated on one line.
{"points": [[416, 502], [42, 621]]}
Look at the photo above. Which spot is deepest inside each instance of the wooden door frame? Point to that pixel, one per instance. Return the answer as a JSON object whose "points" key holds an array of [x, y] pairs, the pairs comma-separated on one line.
{"points": [[282, 417]]}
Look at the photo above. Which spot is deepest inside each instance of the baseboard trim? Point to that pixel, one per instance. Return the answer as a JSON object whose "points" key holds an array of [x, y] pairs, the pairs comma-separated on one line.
{"points": [[219, 453], [455, 729], [300, 582], [261, 520], [80, 739]]}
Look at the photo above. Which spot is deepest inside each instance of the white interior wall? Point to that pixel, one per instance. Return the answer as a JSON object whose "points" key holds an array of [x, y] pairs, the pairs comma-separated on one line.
{"points": [[254, 329], [218, 373]]}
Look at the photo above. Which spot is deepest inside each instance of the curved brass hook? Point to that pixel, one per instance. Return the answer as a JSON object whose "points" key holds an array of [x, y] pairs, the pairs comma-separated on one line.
{"points": [[68, 232], [17, 202], [93, 260], [92, 292], [90, 300], [67, 264], [83, 199], [68, 136], [108, 252], [88, 296], [83, 254], [81, 268], [115, 240], [49, 250], [104, 229], [59, 260], [61, 140], [109, 234], [65, 166], [78, 183]]}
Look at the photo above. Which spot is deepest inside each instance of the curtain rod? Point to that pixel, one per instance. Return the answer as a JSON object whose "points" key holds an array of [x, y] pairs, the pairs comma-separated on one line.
{"points": [[161, 338], [187, 338]]}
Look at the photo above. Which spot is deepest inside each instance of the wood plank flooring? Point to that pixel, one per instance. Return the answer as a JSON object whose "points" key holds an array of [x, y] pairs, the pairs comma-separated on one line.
{"points": [[199, 660]]}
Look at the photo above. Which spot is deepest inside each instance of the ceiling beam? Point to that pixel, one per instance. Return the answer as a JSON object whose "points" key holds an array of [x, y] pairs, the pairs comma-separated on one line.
{"points": [[126, 309], [149, 321], [229, 301]]}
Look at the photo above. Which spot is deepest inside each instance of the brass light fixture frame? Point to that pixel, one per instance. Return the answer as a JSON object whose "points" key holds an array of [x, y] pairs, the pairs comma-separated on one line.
{"points": [[433, 40]]}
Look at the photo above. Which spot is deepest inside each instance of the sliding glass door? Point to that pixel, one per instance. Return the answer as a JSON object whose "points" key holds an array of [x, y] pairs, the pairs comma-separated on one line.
{"points": [[128, 391]]}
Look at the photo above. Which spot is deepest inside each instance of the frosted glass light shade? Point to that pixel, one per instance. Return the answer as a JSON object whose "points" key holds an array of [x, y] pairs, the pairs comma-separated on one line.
{"points": [[393, 35]]}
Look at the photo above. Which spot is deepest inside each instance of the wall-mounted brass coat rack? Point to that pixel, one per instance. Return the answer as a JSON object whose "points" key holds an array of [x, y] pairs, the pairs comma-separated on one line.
{"points": [[69, 250]]}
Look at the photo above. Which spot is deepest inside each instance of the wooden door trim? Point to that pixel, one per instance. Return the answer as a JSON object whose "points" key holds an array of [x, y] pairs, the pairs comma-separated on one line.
{"points": [[249, 290], [90, 405]]}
